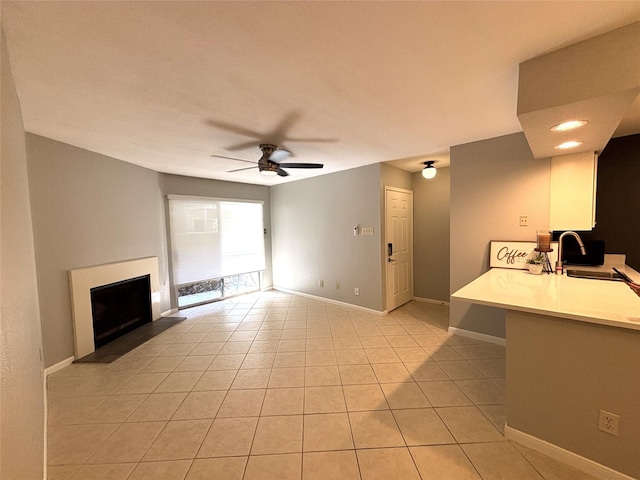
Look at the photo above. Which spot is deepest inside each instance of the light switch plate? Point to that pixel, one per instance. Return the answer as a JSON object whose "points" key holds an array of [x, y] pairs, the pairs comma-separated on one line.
{"points": [[367, 230]]}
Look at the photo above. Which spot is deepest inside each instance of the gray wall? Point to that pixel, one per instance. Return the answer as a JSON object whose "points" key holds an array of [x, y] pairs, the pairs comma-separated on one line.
{"points": [[493, 182], [395, 177], [180, 185], [88, 209], [431, 236], [312, 233], [588, 368], [21, 380]]}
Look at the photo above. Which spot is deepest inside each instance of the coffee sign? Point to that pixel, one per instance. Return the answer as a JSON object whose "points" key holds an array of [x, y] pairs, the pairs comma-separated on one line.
{"points": [[513, 254]]}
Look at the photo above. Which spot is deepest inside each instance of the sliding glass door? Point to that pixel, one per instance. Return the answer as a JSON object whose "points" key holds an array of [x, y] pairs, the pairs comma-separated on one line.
{"points": [[217, 247]]}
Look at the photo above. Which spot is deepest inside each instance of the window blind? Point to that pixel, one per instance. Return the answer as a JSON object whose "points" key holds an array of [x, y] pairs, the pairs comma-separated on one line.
{"points": [[213, 238]]}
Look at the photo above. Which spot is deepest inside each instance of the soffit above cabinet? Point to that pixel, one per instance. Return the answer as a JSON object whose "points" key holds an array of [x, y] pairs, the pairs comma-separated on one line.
{"points": [[597, 80]]}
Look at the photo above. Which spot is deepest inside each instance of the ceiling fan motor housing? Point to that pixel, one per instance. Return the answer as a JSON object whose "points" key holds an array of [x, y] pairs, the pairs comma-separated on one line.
{"points": [[267, 149], [265, 164]]}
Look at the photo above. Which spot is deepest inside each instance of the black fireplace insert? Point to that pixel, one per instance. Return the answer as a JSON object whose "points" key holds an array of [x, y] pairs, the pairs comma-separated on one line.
{"points": [[119, 308]]}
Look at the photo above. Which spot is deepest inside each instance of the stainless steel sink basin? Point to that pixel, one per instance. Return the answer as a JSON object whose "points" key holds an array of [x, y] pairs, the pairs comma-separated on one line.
{"points": [[594, 274]]}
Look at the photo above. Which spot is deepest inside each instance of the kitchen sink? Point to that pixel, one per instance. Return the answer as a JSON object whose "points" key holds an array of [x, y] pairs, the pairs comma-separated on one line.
{"points": [[594, 274]]}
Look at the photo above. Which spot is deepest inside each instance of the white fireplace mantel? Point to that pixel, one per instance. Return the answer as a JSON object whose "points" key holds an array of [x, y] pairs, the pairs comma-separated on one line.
{"points": [[82, 280]]}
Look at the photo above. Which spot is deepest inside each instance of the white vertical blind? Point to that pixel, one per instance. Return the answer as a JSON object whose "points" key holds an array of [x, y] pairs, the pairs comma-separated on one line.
{"points": [[212, 238]]}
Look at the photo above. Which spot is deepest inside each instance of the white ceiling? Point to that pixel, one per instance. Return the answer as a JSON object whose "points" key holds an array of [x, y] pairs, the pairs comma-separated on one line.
{"points": [[165, 85]]}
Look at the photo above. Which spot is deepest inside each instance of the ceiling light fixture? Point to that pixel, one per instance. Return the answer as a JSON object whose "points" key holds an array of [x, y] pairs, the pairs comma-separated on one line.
{"points": [[569, 144], [570, 125], [269, 168], [429, 170]]}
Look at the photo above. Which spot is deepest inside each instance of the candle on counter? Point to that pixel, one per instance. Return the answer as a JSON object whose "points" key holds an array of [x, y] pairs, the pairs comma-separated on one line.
{"points": [[543, 239]]}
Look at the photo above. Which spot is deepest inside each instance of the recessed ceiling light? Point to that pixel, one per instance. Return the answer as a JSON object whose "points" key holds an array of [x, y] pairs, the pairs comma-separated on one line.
{"points": [[570, 125], [569, 144]]}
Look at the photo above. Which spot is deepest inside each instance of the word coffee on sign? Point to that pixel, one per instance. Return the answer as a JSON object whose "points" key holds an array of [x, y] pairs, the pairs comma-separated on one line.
{"points": [[510, 254]]}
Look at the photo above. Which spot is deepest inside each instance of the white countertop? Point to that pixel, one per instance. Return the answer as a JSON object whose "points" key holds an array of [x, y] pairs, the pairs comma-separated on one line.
{"points": [[603, 302]]}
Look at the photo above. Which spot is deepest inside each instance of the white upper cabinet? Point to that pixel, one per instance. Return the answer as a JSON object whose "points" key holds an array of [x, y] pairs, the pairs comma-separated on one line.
{"points": [[573, 191]]}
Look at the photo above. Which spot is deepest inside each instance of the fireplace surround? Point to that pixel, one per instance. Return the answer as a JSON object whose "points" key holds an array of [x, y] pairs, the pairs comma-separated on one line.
{"points": [[82, 280]]}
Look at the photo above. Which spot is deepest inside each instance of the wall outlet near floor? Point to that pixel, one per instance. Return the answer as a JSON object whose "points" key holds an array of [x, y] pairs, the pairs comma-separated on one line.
{"points": [[524, 220], [356, 291], [337, 285], [609, 422], [321, 283]]}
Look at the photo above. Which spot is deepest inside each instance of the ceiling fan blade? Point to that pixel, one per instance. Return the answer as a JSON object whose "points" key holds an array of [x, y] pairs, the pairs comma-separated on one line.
{"points": [[242, 146], [240, 169], [282, 173], [231, 158], [311, 140], [279, 155], [237, 129], [279, 133], [301, 165]]}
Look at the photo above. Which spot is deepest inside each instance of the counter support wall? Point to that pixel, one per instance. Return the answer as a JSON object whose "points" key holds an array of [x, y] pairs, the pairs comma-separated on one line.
{"points": [[561, 373]]}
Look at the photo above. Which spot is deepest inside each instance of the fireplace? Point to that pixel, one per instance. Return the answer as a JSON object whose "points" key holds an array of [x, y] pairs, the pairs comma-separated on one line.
{"points": [[83, 280], [120, 307]]}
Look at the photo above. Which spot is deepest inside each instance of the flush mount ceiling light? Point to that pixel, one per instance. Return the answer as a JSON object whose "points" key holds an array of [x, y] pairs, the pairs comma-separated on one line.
{"points": [[567, 145], [570, 125], [268, 168], [269, 173], [429, 170]]}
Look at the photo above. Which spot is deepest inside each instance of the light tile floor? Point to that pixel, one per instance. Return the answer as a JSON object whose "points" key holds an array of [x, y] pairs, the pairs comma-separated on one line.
{"points": [[276, 386]]}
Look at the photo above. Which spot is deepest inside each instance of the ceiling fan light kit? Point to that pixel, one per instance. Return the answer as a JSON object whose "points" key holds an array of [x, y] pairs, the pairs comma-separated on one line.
{"points": [[268, 169], [429, 170]]}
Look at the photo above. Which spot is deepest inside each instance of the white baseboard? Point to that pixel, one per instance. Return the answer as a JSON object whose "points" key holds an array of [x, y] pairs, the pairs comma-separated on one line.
{"points": [[169, 312], [329, 300], [477, 336], [581, 463], [46, 422], [48, 371], [58, 366], [430, 300]]}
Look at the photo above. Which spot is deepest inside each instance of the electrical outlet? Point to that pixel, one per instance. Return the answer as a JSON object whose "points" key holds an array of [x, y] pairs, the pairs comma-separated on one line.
{"points": [[356, 291], [321, 283], [524, 220], [609, 422], [367, 230], [337, 285]]}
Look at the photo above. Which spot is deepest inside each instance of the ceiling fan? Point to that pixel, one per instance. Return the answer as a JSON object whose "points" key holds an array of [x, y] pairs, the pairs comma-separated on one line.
{"points": [[270, 162]]}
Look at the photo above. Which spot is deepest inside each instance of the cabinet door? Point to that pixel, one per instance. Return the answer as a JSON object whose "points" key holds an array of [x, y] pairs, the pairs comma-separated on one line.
{"points": [[573, 191]]}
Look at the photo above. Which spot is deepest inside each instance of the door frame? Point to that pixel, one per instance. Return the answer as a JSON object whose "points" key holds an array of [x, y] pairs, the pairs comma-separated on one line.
{"points": [[388, 188]]}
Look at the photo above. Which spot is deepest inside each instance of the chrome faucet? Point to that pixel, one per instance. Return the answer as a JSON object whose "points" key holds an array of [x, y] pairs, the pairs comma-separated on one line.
{"points": [[559, 263]]}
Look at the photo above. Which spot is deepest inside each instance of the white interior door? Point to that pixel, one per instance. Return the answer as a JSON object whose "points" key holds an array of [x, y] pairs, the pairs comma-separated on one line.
{"points": [[398, 246]]}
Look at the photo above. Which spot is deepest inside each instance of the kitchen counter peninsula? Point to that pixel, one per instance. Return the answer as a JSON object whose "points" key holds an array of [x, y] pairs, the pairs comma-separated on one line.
{"points": [[573, 350], [603, 302]]}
